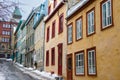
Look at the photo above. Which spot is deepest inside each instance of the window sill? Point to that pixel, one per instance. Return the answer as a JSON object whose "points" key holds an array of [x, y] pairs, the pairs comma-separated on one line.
{"points": [[90, 34], [79, 39], [69, 43], [106, 27]]}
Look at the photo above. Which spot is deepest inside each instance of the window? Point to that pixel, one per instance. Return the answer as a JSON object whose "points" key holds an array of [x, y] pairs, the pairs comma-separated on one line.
{"points": [[79, 28], [49, 8], [2, 39], [53, 56], [3, 25], [91, 57], [106, 14], [48, 30], [53, 29], [8, 33], [61, 23], [55, 3], [47, 58], [90, 22], [3, 32], [79, 59], [69, 33]]}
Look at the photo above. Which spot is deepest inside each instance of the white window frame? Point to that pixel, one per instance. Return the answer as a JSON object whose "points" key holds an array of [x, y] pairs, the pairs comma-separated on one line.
{"points": [[69, 33], [80, 63], [106, 14], [79, 29], [92, 65], [90, 22]]}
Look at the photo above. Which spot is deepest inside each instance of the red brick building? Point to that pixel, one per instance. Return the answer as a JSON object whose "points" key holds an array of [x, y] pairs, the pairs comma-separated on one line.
{"points": [[6, 30]]}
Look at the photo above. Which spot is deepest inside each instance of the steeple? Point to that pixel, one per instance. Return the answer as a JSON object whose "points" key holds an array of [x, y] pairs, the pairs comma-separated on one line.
{"points": [[17, 14]]}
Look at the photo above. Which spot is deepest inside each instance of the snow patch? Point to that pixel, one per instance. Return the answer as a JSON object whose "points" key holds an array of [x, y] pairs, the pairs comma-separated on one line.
{"points": [[8, 59], [46, 74], [2, 77]]}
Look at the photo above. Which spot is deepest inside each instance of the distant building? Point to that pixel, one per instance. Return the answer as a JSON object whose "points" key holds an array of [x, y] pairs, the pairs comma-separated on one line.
{"points": [[6, 32], [18, 42], [39, 35], [29, 40]]}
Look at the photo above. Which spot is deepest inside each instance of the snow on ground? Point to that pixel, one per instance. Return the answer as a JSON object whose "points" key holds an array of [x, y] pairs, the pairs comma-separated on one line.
{"points": [[8, 59], [43, 73], [2, 77]]}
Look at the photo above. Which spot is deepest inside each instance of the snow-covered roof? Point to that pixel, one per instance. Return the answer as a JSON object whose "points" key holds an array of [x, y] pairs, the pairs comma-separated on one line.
{"points": [[76, 7]]}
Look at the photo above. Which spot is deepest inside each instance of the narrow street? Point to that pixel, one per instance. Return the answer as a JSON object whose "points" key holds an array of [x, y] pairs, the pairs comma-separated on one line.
{"points": [[8, 71]]}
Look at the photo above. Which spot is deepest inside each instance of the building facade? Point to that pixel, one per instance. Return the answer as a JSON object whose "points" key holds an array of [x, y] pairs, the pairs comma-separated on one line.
{"points": [[6, 30], [18, 42], [39, 27], [93, 40], [29, 40], [55, 38], [23, 43]]}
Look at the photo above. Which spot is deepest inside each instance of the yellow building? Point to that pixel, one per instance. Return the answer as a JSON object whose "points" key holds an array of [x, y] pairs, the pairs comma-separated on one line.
{"points": [[93, 50], [55, 38]]}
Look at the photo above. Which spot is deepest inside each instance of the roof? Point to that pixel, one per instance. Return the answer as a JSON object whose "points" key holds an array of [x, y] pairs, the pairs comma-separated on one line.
{"points": [[19, 24], [17, 13]]}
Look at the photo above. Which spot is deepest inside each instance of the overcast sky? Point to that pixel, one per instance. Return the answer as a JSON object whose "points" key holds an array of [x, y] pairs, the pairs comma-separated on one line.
{"points": [[28, 5]]}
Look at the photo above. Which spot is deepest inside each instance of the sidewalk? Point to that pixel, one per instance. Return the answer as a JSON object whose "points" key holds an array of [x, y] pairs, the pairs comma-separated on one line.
{"points": [[35, 73]]}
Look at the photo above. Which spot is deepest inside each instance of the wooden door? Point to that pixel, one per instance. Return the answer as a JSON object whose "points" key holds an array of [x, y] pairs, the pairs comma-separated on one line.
{"points": [[69, 67], [60, 50]]}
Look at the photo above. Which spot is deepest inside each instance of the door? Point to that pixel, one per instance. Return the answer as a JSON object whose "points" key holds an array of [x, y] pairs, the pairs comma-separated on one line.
{"points": [[69, 67], [60, 48]]}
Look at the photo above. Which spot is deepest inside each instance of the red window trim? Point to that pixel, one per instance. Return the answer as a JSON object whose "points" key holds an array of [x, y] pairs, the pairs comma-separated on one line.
{"points": [[53, 56], [55, 3], [59, 29], [49, 9], [53, 28], [47, 36], [93, 9], [75, 62], [92, 48], [47, 58]]}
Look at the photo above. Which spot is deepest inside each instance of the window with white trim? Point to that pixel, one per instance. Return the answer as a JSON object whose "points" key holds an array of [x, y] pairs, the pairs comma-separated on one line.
{"points": [[79, 29], [69, 33], [106, 14], [90, 22], [91, 62], [79, 63]]}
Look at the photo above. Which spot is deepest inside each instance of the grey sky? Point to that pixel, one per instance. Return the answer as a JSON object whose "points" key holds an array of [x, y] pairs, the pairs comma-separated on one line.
{"points": [[28, 5]]}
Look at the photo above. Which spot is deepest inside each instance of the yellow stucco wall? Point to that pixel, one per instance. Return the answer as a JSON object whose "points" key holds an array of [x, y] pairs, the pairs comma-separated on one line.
{"points": [[107, 44], [53, 42]]}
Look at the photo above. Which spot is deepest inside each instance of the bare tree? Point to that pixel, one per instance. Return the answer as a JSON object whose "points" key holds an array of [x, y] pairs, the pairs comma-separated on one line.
{"points": [[6, 8]]}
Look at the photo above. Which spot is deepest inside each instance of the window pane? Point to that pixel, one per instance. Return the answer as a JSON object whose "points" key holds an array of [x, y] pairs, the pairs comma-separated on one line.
{"points": [[91, 62], [106, 14], [80, 63], [70, 34], [79, 28]]}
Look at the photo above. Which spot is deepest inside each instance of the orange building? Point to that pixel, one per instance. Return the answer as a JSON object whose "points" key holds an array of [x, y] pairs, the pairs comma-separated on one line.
{"points": [[93, 49]]}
